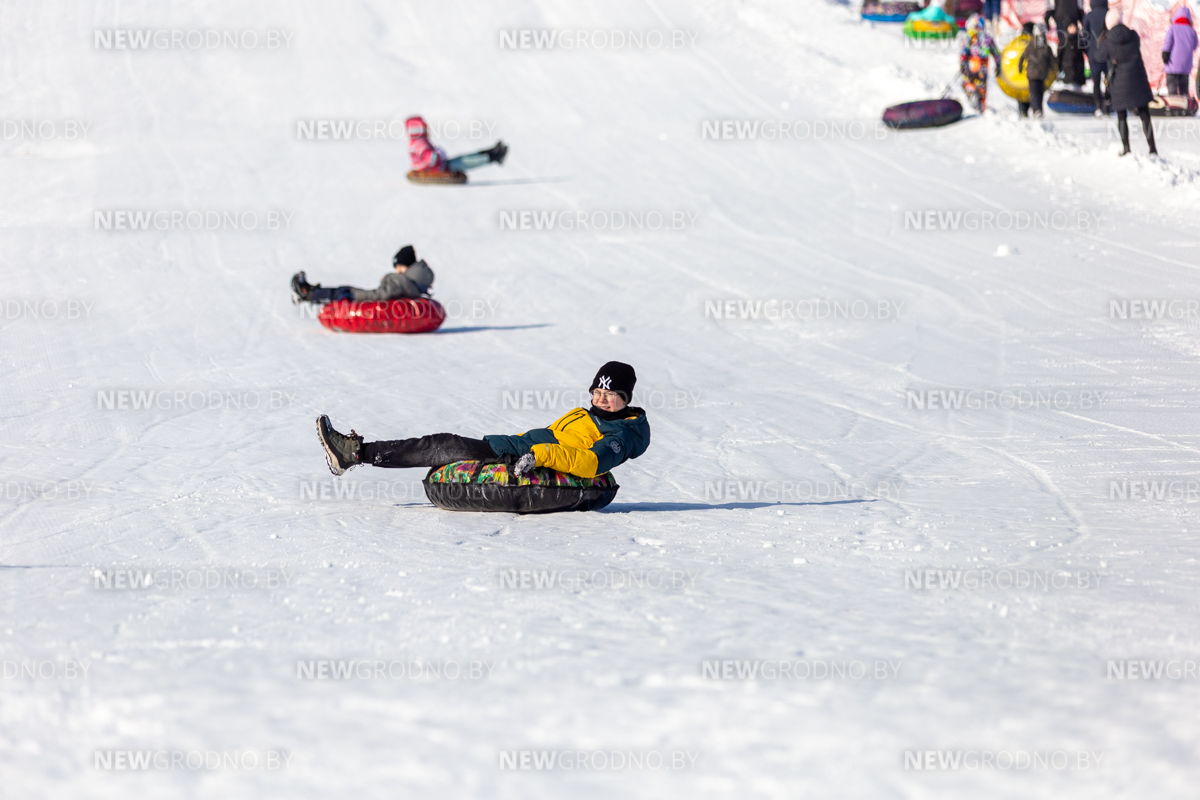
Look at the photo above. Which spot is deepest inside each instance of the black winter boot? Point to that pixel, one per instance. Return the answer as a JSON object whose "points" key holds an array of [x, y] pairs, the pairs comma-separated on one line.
{"points": [[341, 451], [497, 153], [301, 290]]}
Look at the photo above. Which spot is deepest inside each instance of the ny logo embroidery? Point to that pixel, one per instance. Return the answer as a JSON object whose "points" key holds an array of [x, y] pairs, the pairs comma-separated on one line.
{"points": [[605, 383]]}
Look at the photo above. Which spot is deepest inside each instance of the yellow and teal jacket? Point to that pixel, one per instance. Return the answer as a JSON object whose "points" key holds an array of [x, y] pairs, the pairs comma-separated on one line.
{"points": [[581, 442]]}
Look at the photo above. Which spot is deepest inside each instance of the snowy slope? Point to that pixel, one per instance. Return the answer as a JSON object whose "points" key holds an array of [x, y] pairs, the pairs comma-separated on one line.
{"points": [[793, 492]]}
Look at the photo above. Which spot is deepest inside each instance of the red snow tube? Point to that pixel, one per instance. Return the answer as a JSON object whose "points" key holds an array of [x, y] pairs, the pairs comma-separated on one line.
{"points": [[388, 316], [923, 114]]}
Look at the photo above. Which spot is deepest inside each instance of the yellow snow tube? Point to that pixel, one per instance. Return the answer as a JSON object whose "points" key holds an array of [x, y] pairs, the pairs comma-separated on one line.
{"points": [[1013, 81]]}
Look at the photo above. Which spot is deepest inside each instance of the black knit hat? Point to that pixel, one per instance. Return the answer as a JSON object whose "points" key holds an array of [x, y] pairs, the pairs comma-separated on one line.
{"points": [[406, 256], [616, 377]]}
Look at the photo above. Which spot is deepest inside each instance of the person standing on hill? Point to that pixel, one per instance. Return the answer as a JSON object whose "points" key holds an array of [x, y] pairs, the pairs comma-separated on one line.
{"points": [[973, 62], [1122, 49], [1093, 29], [1038, 63], [1067, 19], [1178, 48]]}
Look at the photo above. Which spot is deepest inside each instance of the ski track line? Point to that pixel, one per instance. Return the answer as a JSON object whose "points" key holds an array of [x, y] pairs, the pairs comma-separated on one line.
{"points": [[926, 178], [1093, 237], [712, 60], [1039, 474], [923, 291], [1140, 251], [1114, 426]]}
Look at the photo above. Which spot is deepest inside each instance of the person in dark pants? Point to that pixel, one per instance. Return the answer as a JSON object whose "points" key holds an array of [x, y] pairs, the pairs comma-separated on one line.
{"points": [[991, 13], [1178, 47], [1093, 29], [1067, 18], [1122, 49], [1038, 63], [582, 442], [408, 278]]}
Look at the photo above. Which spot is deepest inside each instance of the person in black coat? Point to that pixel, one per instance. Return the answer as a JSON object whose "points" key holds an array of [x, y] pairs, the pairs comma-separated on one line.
{"points": [[1067, 21], [1122, 49], [1093, 29]]}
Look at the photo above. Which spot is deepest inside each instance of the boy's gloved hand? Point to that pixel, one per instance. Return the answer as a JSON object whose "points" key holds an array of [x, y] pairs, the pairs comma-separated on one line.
{"points": [[525, 465]]}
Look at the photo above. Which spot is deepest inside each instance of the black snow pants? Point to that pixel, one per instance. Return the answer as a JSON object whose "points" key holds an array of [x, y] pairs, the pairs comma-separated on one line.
{"points": [[1123, 126], [1036, 91], [435, 450], [1100, 96]]}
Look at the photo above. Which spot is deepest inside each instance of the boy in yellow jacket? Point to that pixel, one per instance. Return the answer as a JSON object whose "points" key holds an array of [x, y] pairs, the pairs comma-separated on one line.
{"points": [[583, 442]]}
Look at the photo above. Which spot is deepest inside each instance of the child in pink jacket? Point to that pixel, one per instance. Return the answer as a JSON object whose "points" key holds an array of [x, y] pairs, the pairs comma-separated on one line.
{"points": [[428, 158]]}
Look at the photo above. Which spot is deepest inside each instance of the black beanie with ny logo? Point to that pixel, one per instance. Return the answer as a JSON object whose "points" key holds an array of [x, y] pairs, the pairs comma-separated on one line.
{"points": [[616, 377]]}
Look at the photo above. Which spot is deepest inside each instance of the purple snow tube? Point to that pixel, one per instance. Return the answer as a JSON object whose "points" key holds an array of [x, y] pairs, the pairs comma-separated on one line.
{"points": [[923, 114]]}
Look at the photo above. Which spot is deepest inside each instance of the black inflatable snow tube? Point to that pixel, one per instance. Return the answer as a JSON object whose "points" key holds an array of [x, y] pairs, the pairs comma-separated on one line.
{"points": [[923, 114], [479, 486]]}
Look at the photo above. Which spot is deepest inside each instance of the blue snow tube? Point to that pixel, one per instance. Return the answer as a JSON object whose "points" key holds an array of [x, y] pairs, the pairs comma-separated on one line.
{"points": [[1067, 101]]}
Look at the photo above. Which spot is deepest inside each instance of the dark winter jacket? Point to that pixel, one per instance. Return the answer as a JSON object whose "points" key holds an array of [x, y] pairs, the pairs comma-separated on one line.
{"points": [[1038, 62], [1122, 49], [1070, 56], [1065, 12], [582, 442], [1093, 27], [414, 282]]}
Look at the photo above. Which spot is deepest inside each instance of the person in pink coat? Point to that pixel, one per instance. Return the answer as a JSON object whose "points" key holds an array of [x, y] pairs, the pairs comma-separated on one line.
{"points": [[428, 158]]}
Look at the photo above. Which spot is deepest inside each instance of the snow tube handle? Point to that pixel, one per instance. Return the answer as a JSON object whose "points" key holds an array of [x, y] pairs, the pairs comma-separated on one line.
{"points": [[507, 462]]}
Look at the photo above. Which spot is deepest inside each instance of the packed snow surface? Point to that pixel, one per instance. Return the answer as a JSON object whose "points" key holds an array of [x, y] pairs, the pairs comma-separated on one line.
{"points": [[916, 518]]}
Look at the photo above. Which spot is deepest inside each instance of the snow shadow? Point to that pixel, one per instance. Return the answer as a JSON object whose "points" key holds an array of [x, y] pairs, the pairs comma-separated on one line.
{"points": [[495, 328], [515, 181], [624, 507]]}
